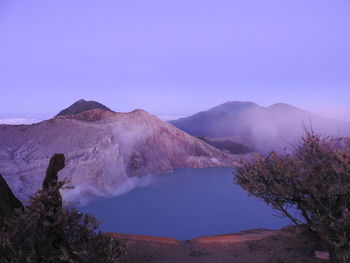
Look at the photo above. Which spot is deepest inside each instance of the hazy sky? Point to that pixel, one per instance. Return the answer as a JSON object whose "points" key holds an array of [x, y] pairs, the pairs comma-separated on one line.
{"points": [[173, 57]]}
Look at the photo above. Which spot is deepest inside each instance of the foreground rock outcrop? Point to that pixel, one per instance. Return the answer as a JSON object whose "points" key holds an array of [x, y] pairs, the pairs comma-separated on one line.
{"points": [[288, 245], [8, 201], [105, 151], [57, 163]]}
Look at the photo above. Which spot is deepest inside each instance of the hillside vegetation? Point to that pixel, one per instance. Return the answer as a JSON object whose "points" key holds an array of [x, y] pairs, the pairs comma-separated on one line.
{"points": [[314, 181]]}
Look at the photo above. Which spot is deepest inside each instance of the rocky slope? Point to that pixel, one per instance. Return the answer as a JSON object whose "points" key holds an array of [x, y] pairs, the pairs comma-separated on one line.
{"points": [[106, 152], [232, 145], [274, 127]]}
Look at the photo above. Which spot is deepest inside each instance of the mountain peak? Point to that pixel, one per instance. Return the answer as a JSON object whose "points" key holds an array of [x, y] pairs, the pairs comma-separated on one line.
{"points": [[81, 106], [282, 105], [234, 105], [285, 107], [239, 102]]}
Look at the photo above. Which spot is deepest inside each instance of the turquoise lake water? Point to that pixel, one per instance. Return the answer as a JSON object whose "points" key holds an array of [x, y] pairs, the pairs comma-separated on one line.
{"points": [[185, 204]]}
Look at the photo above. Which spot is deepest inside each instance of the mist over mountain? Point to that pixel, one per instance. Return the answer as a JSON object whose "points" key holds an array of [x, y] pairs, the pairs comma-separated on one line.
{"points": [[264, 128], [81, 106], [106, 153]]}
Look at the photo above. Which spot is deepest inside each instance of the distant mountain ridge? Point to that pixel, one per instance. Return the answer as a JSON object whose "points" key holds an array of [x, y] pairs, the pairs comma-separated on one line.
{"points": [[106, 153], [81, 106], [273, 127]]}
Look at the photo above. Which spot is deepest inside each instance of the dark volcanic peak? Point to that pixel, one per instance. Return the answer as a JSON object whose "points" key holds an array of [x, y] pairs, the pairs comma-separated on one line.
{"points": [[91, 115], [81, 106]]}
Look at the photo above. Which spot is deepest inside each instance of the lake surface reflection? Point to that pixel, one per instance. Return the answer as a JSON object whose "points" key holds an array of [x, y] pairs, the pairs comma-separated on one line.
{"points": [[185, 204]]}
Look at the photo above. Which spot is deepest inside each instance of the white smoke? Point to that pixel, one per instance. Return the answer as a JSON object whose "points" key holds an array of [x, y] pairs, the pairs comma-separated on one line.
{"points": [[84, 193], [169, 117]]}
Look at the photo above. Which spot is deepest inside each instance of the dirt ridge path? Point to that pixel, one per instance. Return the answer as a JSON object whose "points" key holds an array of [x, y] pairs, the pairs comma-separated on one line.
{"points": [[287, 245]]}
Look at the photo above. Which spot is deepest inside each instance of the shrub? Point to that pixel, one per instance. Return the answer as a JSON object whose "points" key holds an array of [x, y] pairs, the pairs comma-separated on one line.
{"points": [[47, 232], [315, 181]]}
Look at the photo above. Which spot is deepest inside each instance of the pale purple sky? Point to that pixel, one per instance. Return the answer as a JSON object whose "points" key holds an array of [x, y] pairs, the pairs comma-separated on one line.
{"points": [[173, 57]]}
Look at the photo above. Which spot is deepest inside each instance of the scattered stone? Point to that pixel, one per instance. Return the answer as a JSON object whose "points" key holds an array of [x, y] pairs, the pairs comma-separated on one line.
{"points": [[322, 255]]}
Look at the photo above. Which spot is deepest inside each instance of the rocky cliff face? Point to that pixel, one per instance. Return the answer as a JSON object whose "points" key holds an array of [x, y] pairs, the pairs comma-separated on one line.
{"points": [[105, 151]]}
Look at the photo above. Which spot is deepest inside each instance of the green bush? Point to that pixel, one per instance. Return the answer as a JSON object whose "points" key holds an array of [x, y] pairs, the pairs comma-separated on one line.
{"points": [[315, 181], [47, 232]]}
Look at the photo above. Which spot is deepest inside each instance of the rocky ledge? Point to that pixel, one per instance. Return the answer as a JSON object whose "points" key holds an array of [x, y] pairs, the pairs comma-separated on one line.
{"points": [[288, 245]]}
